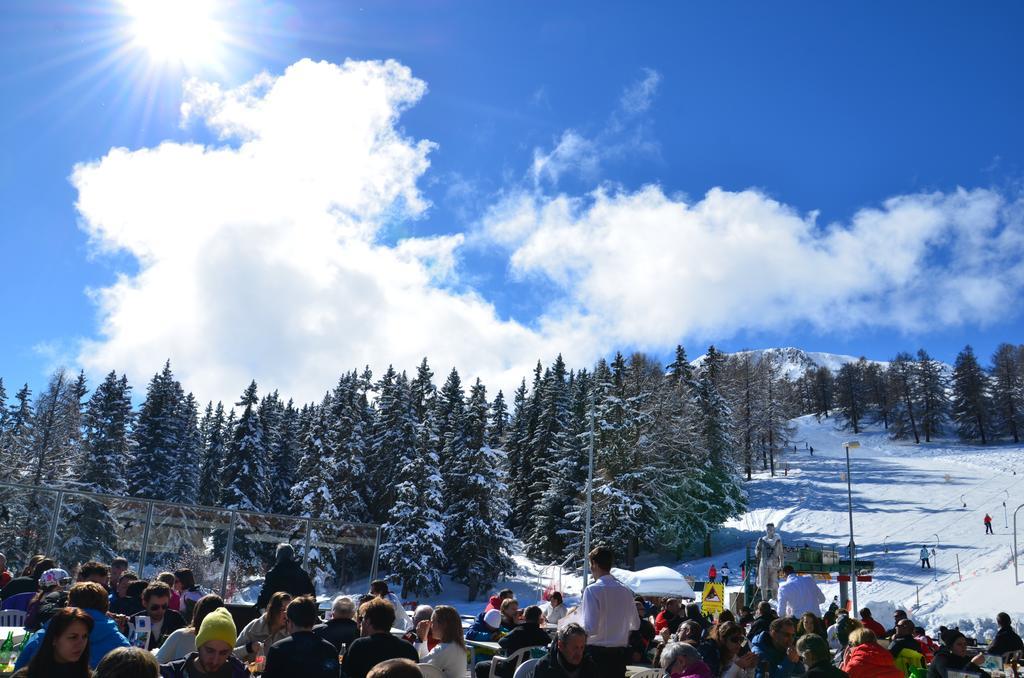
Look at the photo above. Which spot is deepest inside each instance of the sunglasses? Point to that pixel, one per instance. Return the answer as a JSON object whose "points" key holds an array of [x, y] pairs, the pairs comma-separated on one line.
{"points": [[736, 639], [154, 608]]}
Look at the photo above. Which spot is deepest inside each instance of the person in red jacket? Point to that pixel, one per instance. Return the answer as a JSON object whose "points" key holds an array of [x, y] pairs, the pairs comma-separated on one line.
{"points": [[869, 623], [669, 618], [712, 573], [988, 524], [865, 658]]}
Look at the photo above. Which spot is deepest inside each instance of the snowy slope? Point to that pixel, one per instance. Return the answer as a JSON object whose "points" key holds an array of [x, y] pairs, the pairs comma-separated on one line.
{"points": [[904, 496], [795, 362]]}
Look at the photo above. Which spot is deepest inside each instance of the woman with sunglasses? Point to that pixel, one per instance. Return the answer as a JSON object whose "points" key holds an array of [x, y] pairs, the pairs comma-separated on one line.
{"points": [[51, 597], [64, 652], [724, 652]]}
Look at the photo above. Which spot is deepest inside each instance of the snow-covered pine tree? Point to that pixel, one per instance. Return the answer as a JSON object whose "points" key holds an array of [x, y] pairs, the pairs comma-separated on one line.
{"points": [[851, 394], [498, 422], [552, 446], [680, 370], [107, 422], [412, 548], [189, 454], [905, 397], [244, 476], [283, 457], [972, 398], [157, 434], [390, 443], [516, 441], [19, 436], [348, 433], [313, 493], [724, 490], [932, 392], [1008, 391], [57, 422], [214, 434], [477, 543], [423, 391]]}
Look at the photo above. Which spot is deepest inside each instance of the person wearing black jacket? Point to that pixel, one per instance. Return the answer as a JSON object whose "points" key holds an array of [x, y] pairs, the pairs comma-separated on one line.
{"points": [[527, 633], [163, 621], [566, 656], [27, 583], [340, 630], [640, 640], [286, 575], [765, 616], [303, 653], [953, 655], [377, 643], [1006, 639]]}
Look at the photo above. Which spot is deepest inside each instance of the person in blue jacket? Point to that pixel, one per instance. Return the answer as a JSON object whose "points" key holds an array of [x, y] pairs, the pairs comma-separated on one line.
{"points": [[92, 599], [776, 654]]}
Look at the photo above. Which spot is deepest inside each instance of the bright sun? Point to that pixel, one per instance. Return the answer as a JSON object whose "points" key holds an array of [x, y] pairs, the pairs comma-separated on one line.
{"points": [[184, 32]]}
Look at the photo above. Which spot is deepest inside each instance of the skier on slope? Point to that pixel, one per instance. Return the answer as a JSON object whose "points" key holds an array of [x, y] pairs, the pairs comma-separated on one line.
{"points": [[725, 573], [712, 573], [988, 524], [924, 558]]}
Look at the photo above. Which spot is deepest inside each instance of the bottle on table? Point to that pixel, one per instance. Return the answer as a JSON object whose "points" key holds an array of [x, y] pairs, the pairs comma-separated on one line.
{"points": [[6, 650]]}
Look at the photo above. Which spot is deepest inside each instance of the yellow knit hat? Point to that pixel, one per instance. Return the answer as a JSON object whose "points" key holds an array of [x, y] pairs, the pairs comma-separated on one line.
{"points": [[218, 625]]}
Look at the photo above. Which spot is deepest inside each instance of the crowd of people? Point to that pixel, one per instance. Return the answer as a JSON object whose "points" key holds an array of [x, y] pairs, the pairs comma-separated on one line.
{"points": [[87, 627]]}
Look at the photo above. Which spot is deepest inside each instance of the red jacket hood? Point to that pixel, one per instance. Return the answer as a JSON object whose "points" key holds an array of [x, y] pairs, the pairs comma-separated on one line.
{"points": [[871, 661]]}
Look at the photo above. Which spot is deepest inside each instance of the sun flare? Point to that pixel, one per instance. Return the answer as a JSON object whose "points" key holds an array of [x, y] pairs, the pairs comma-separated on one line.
{"points": [[184, 32]]}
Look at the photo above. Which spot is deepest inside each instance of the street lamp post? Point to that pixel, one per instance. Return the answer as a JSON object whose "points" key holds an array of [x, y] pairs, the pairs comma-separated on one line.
{"points": [[853, 547], [590, 486]]}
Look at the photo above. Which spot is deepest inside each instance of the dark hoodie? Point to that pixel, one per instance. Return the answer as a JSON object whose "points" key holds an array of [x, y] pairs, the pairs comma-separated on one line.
{"points": [[945, 660], [553, 666]]}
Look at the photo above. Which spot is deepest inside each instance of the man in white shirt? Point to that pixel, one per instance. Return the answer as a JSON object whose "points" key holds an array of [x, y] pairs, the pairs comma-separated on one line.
{"points": [[609, 614], [379, 588], [798, 595]]}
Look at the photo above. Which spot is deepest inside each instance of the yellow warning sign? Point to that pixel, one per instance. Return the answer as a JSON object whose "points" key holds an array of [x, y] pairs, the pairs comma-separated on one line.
{"points": [[713, 599]]}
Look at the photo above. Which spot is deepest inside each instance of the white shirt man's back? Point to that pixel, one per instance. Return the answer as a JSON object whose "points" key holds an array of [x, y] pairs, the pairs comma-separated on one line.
{"points": [[798, 595], [609, 613]]}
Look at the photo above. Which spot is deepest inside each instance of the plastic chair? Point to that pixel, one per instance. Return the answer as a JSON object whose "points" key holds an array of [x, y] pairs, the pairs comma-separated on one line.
{"points": [[430, 671], [19, 601], [649, 673], [12, 618], [526, 669], [514, 659]]}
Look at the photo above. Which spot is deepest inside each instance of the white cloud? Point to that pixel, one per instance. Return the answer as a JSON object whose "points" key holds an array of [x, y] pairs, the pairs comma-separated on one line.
{"points": [[648, 270], [260, 259], [638, 97]]}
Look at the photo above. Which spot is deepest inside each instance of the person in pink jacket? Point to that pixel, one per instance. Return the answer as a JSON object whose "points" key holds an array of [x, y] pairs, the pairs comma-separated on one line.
{"points": [[682, 660]]}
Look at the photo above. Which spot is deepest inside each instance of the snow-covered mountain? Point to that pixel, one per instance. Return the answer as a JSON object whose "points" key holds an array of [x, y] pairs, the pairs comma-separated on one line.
{"points": [[795, 361]]}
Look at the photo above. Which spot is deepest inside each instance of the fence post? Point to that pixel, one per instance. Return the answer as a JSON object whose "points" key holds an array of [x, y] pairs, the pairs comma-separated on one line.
{"points": [[145, 540], [958, 567], [376, 550], [305, 546], [52, 537], [227, 557]]}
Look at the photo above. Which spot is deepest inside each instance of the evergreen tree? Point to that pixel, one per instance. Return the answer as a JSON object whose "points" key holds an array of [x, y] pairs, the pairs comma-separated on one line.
{"points": [[680, 370], [215, 432], [824, 384], [1008, 391], [284, 456], [972, 398], [158, 436], [189, 454], [499, 421], [392, 442], [851, 393], [57, 421], [347, 435], [905, 396], [423, 391], [413, 536], [17, 437], [516, 454], [313, 494], [877, 389], [931, 388]]}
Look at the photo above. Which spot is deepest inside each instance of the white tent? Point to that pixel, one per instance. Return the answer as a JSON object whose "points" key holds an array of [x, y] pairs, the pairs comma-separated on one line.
{"points": [[658, 581]]}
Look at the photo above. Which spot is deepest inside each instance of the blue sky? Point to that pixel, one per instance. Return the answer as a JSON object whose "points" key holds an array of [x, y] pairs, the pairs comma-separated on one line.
{"points": [[789, 109]]}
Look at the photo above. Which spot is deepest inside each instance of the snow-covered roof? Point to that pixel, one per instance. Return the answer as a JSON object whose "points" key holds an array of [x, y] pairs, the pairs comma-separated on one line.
{"points": [[655, 581]]}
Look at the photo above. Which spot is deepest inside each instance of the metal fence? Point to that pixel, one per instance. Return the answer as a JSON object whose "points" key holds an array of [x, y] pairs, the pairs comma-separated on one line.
{"points": [[224, 548]]}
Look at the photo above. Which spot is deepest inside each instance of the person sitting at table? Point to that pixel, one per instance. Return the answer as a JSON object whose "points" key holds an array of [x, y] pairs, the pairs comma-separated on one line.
{"points": [[566, 657], [720, 650], [265, 630], [214, 657], [449, 655], [509, 614], [302, 653], [379, 588], [953, 655], [340, 630], [527, 634], [1006, 639], [163, 621], [128, 662], [641, 640], [377, 643], [28, 582], [486, 626], [50, 598], [555, 608], [182, 642], [92, 599], [683, 659], [669, 618], [423, 613], [131, 603], [64, 653]]}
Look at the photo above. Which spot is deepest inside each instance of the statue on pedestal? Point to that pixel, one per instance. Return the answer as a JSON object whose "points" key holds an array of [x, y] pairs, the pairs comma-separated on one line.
{"points": [[769, 561]]}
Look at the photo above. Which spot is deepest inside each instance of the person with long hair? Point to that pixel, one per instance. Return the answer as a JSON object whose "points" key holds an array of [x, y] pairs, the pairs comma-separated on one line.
{"points": [[265, 630], [189, 592], [183, 641], [64, 652], [449, 655], [722, 650]]}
